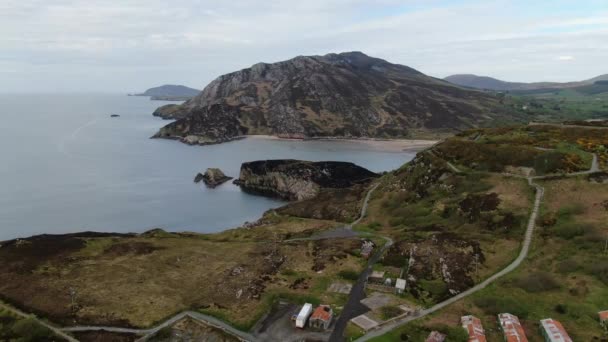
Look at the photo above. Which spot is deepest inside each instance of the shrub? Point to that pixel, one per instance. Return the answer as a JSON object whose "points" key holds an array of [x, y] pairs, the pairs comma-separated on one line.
{"points": [[496, 305], [561, 308], [571, 210], [389, 312], [537, 282], [29, 330], [599, 270], [570, 230], [568, 266], [348, 275], [164, 333]]}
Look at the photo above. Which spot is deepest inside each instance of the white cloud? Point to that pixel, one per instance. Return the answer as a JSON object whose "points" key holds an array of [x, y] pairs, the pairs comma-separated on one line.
{"points": [[134, 44], [565, 58]]}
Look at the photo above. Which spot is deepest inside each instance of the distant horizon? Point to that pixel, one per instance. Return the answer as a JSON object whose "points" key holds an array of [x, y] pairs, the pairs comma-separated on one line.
{"points": [[135, 91], [99, 46]]}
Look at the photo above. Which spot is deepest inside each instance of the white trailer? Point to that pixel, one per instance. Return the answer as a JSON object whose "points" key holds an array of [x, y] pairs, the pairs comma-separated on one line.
{"points": [[303, 316]]}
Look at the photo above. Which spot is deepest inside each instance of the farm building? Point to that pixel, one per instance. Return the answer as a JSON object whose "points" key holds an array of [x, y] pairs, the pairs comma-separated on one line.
{"points": [[553, 331], [321, 317], [474, 327], [400, 286], [377, 277], [511, 328], [302, 317], [603, 318], [435, 336]]}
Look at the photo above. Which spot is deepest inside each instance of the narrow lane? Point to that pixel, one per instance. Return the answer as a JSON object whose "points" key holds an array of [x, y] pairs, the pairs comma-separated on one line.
{"points": [[54, 329]]}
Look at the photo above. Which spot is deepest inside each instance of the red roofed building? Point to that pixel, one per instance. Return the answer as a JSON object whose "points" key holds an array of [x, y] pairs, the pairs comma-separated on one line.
{"points": [[603, 318], [554, 331], [473, 326], [435, 336], [511, 328], [322, 317]]}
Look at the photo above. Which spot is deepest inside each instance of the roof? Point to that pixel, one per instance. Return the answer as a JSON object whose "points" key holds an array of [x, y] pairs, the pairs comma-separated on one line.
{"points": [[377, 274], [512, 328], [474, 327], [435, 336], [322, 312], [400, 284], [305, 311], [555, 331], [603, 315]]}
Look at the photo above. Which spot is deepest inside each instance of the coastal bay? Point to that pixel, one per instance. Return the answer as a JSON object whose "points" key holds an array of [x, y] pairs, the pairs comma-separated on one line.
{"points": [[68, 166]]}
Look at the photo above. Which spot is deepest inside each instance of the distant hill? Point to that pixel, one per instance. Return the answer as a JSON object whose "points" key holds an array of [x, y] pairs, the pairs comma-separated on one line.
{"points": [[336, 95], [170, 92], [489, 83]]}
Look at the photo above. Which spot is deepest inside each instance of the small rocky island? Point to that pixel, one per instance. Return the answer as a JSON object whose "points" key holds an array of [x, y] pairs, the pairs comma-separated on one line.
{"points": [[212, 177], [299, 180]]}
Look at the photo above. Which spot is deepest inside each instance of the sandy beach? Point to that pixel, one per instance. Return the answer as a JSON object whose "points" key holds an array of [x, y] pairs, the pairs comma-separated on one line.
{"points": [[384, 145]]}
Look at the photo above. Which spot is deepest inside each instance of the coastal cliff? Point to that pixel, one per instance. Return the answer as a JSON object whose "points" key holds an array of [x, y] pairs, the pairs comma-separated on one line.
{"points": [[347, 95], [299, 180]]}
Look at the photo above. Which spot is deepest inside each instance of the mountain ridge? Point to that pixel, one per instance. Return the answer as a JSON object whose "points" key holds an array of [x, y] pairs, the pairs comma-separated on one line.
{"points": [[339, 95], [491, 83]]}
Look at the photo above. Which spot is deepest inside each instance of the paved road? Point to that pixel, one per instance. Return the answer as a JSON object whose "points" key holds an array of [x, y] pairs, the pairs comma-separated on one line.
{"points": [[345, 231], [54, 329], [212, 321], [540, 191], [357, 292], [522, 255], [353, 307]]}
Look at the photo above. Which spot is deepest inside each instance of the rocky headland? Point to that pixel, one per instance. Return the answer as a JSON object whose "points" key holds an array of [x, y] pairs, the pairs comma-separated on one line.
{"points": [[299, 180], [349, 95]]}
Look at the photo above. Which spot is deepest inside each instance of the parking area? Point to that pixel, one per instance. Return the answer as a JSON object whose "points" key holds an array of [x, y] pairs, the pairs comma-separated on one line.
{"points": [[338, 287]]}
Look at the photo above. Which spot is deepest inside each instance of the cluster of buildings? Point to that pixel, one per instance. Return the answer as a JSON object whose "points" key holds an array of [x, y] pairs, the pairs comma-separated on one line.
{"points": [[513, 331], [319, 318], [378, 281]]}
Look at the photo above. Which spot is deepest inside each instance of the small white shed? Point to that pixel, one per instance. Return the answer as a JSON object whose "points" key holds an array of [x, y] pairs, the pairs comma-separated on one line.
{"points": [[400, 285]]}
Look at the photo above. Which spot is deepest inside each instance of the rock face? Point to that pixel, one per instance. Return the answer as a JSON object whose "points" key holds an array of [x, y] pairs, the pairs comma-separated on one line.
{"points": [[212, 177], [338, 95], [299, 180], [169, 112]]}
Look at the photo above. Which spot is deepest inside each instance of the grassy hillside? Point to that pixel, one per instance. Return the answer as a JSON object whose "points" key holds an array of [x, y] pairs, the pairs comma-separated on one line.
{"points": [[579, 103], [565, 276], [456, 216]]}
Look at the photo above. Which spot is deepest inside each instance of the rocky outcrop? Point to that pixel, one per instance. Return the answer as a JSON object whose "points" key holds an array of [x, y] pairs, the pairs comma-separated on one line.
{"points": [[169, 112], [212, 177], [299, 180], [338, 95]]}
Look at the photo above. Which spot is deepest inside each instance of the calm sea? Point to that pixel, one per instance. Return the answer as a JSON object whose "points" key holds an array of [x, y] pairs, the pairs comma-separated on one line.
{"points": [[66, 166]]}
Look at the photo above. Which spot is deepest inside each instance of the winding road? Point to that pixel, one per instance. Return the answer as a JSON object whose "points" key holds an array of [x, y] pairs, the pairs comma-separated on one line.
{"points": [[540, 191], [358, 291], [345, 231], [53, 328], [147, 333]]}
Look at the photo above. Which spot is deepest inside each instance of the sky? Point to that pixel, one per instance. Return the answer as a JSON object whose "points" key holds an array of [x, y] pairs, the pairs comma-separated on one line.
{"points": [[132, 45]]}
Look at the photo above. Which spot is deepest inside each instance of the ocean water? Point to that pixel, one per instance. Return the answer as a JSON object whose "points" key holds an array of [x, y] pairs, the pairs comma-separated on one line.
{"points": [[67, 166]]}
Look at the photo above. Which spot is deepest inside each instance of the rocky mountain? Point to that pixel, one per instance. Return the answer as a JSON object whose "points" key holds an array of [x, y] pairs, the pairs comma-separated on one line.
{"points": [[339, 95], [170, 92], [489, 83], [299, 180]]}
